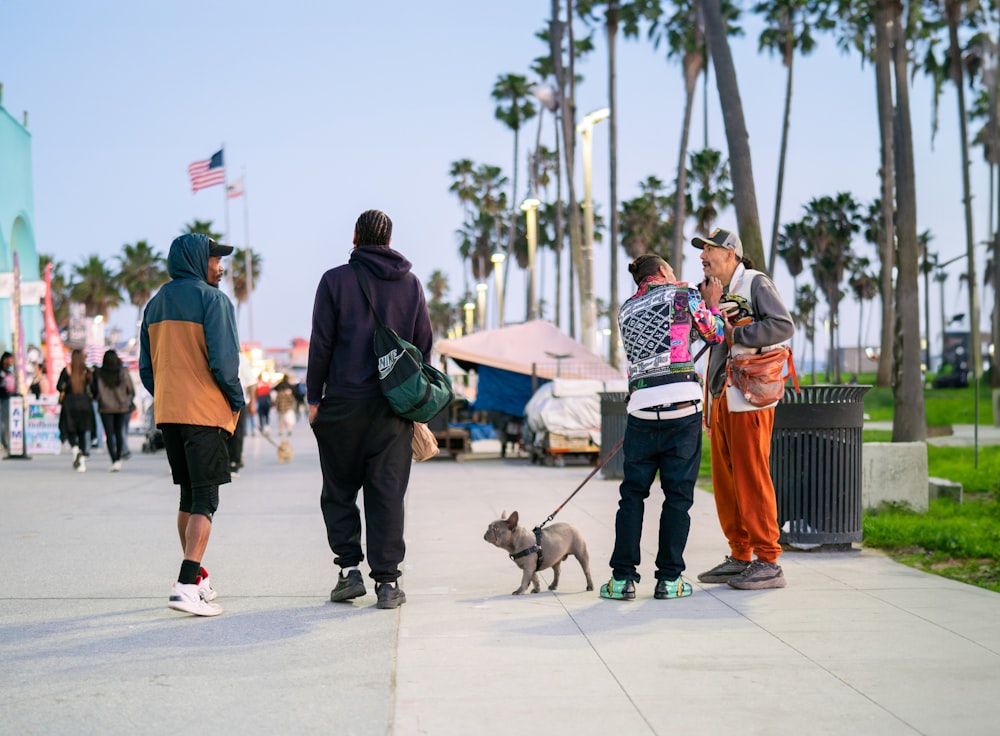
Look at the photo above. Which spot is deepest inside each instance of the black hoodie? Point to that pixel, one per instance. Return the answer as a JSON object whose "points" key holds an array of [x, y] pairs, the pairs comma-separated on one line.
{"points": [[341, 359]]}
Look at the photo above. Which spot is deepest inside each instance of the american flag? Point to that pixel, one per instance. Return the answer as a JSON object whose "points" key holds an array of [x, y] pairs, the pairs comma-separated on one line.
{"points": [[208, 173]]}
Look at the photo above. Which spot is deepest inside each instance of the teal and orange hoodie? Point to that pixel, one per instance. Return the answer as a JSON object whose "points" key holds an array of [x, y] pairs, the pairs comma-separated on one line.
{"points": [[189, 352]]}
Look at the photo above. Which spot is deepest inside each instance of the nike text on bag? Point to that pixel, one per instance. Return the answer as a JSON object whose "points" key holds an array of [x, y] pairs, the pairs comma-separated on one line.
{"points": [[415, 390], [758, 376]]}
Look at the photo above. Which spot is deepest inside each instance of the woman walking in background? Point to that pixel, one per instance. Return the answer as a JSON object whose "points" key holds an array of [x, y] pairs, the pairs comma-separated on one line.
{"points": [[76, 420], [115, 392]]}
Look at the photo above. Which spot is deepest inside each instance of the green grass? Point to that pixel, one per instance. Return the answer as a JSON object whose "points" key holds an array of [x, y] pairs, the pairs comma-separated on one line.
{"points": [[942, 406], [958, 542]]}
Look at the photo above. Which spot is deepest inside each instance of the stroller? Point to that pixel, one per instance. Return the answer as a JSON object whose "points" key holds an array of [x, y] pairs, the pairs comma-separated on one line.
{"points": [[153, 440]]}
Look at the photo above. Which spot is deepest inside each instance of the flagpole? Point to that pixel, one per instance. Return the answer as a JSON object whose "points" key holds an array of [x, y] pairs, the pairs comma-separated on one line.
{"points": [[225, 190], [249, 253]]}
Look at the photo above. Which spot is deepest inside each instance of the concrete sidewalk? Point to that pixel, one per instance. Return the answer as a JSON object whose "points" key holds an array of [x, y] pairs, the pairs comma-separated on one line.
{"points": [[854, 644]]}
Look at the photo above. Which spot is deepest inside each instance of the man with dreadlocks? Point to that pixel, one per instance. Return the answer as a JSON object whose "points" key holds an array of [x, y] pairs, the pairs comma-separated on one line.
{"points": [[362, 443], [663, 430]]}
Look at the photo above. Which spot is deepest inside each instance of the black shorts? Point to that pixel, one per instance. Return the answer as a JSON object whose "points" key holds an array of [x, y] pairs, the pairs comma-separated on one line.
{"points": [[199, 463]]}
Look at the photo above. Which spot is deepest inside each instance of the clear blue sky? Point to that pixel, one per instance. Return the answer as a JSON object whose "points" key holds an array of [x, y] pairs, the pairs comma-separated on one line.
{"points": [[336, 107]]}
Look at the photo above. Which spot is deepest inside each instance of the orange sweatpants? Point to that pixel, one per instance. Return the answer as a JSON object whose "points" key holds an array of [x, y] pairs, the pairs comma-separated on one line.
{"points": [[741, 480]]}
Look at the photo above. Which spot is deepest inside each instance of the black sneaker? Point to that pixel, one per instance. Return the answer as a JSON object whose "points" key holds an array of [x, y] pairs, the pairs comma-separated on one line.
{"points": [[759, 575], [723, 572], [349, 586], [390, 595]]}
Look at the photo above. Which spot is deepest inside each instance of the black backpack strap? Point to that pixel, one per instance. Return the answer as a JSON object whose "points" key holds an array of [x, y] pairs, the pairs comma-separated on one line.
{"points": [[363, 282]]}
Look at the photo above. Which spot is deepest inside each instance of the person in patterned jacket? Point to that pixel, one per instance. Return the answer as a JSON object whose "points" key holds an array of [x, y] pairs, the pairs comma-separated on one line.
{"points": [[189, 362], [663, 430]]}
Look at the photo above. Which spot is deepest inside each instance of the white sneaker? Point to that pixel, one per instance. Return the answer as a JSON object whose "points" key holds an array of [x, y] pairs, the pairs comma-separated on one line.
{"points": [[187, 598], [205, 586], [116, 467], [76, 457], [81, 464]]}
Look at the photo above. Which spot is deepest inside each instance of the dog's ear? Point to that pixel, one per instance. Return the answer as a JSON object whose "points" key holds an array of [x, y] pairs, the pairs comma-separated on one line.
{"points": [[512, 521]]}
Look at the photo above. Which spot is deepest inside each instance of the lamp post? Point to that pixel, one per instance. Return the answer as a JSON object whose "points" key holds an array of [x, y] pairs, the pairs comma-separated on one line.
{"points": [[498, 258], [481, 304], [588, 308], [530, 208], [470, 309]]}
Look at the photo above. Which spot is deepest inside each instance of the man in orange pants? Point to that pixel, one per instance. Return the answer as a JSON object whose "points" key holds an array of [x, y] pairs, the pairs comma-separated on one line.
{"points": [[740, 431]]}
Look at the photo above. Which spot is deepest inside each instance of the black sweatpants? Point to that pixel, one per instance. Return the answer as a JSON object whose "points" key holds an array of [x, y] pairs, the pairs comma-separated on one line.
{"points": [[363, 445]]}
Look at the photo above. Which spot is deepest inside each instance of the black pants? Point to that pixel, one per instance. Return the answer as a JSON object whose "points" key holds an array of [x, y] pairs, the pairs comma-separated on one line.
{"points": [[364, 445], [672, 448], [114, 431]]}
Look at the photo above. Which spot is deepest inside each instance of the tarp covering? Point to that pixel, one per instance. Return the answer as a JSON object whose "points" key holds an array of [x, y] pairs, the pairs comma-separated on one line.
{"points": [[533, 348], [502, 391]]}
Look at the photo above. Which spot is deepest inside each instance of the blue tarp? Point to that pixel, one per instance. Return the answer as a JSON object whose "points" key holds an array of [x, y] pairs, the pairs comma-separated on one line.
{"points": [[503, 391]]}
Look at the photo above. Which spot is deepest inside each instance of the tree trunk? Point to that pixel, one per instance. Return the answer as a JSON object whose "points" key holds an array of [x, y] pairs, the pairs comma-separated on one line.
{"points": [[744, 193], [909, 423], [565, 77], [887, 250], [691, 72], [776, 225], [613, 244], [953, 9]]}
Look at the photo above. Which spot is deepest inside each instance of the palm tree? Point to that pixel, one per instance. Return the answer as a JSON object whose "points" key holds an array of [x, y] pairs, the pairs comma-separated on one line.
{"points": [[864, 286], [629, 14], [440, 311], [804, 315], [710, 176], [928, 262], [646, 226], [461, 172], [95, 287], [788, 29], [565, 77], [794, 248], [204, 227], [141, 271], [909, 418], [744, 193], [866, 26], [512, 93], [829, 225], [242, 285]]}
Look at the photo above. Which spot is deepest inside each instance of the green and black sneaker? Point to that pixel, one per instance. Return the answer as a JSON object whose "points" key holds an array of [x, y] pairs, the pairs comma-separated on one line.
{"points": [[618, 590], [672, 589]]}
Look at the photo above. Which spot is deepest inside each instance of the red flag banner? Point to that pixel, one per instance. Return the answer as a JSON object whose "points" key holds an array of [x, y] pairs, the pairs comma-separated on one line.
{"points": [[208, 173]]}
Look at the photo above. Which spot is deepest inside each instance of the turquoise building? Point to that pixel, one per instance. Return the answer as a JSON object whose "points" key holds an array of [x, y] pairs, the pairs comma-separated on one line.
{"points": [[17, 228]]}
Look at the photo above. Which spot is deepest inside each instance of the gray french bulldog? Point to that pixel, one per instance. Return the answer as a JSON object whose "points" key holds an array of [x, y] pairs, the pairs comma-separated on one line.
{"points": [[558, 542]]}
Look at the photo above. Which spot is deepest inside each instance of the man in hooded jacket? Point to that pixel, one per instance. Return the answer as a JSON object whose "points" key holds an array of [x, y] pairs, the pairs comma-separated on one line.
{"points": [[189, 361], [362, 442]]}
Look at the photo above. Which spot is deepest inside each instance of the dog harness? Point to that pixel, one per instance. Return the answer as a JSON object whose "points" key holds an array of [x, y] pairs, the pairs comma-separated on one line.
{"points": [[535, 548]]}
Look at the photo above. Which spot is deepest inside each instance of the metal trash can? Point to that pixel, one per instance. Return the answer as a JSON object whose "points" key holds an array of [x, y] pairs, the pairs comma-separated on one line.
{"points": [[816, 465], [614, 417]]}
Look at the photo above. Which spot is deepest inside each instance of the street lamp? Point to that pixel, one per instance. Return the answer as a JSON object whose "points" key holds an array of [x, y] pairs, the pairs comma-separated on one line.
{"points": [[498, 259], [481, 304], [470, 309], [585, 129], [530, 208]]}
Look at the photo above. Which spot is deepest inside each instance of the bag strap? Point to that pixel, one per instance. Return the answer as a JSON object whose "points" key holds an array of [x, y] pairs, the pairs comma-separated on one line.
{"points": [[791, 371], [363, 282]]}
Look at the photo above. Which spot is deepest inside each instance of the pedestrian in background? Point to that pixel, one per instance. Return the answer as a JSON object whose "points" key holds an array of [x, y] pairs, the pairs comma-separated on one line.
{"points": [[189, 362], [76, 417], [115, 393]]}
